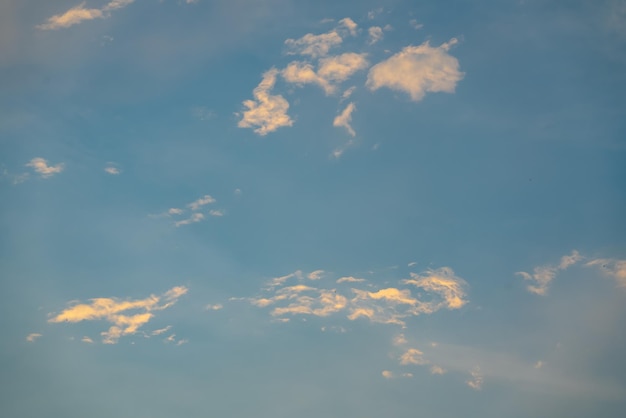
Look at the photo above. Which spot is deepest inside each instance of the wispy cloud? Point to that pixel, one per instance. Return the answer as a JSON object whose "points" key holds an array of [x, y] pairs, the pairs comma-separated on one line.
{"points": [[350, 25], [315, 275], [417, 70], [112, 169], [413, 356], [266, 112], [312, 45], [612, 267], [476, 382], [542, 276], [204, 200], [78, 14], [121, 313], [41, 166], [349, 279], [87, 340], [194, 218], [32, 337], [344, 119]]}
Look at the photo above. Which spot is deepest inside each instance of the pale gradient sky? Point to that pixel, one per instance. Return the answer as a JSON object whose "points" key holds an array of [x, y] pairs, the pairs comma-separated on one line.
{"points": [[280, 208]]}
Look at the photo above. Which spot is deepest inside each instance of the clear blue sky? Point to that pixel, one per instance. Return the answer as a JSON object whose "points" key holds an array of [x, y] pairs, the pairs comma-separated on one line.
{"points": [[281, 208]]}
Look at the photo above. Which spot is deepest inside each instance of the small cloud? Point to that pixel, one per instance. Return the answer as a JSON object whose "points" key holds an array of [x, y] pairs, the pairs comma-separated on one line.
{"points": [[181, 342], [418, 70], [202, 113], [350, 25], [315, 275], [174, 211], [266, 112], [476, 382], [399, 339], [346, 94], [413, 356], [373, 13], [32, 337], [194, 218], [542, 276], [41, 166], [375, 34], [215, 307], [161, 330], [539, 364], [204, 200], [442, 282], [112, 170], [344, 119], [216, 212], [87, 340], [412, 263], [314, 46], [387, 374], [171, 338], [349, 279], [237, 192], [415, 25], [78, 14], [437, 370]]}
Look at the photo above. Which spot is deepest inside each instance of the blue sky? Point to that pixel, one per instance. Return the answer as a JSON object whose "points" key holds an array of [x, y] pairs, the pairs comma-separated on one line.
{"points": [[283, 208]]}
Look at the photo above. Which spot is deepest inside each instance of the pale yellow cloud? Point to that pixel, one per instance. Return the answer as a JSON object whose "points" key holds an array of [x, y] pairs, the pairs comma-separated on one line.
{"points": [[349, 279], [611, 267], [444, 283], [115, 311], [375, 34], [437, 370], [266, 112], [315, 275], [87, 340], [344, 119], [161, 330], [387, 374], [350, 25], [399, 339], [413, 356], [330, 73], [542, 276], [78, 14], [418, 70], [314, 45], [41, 166], [32, 337], [301, 73]]}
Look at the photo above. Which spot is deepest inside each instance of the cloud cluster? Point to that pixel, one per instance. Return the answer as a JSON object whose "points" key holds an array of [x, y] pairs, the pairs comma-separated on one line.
{"points": [[194, 207], [80, 13], [390, 305], [126, 316]]}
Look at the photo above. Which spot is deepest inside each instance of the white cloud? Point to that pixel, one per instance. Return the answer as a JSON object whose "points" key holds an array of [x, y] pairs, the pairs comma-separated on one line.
{"points": [[87, 340], [41, 166], [215, 307], [417, 70], [216, 212], [415, 25], [32, 337], [476, 382], [267, 112], [375, 34], [315, 275], [204, 200], [121, 313], [112, 170], [194, 218], [611, 267], [344, 119], [542, 276], [314, 45], [161, 330], [78, 14], [349, 279], [350, 25], [174, 211]]}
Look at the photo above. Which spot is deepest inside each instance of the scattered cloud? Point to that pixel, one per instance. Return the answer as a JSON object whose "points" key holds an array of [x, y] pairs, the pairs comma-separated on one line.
{"points": [[78, 14], [215, 307], [347, 93], [204, 200], [161, 330], [349, 279], [415, 25], [312, 45], [437, 370], [121, 313], [350, 25], [476, 382], [174, 211], [399, 339], [315, 275], [344, 119], [418, 70], [32, 337], [413, 356], [266, 112], [375, 34], [542, 276], [202, 113], [216, 212], [443, 283], [87, 340], [387, 374], [112, 170], [611, 267], [194, 218], [41, 166]]}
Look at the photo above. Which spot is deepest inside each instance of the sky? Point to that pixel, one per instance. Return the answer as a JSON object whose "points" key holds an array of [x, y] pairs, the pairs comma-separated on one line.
{"points": [[280, 208]]}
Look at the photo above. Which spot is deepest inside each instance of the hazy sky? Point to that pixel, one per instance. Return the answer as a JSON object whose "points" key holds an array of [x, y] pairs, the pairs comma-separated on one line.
{"points": [[295, 208]]}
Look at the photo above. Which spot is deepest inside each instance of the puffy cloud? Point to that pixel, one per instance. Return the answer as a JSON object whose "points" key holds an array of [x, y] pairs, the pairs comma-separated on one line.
{"points": [[301, 73], [267, 112], [32, 337], [204, 200], [375, 34], [78, 14], [476, 382], [315, 275], [118, 312], [344, 119], [542, 276], [417, 70], [413, 356], [314, 45], [349, 24], [41, 166], [611, 267]]}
